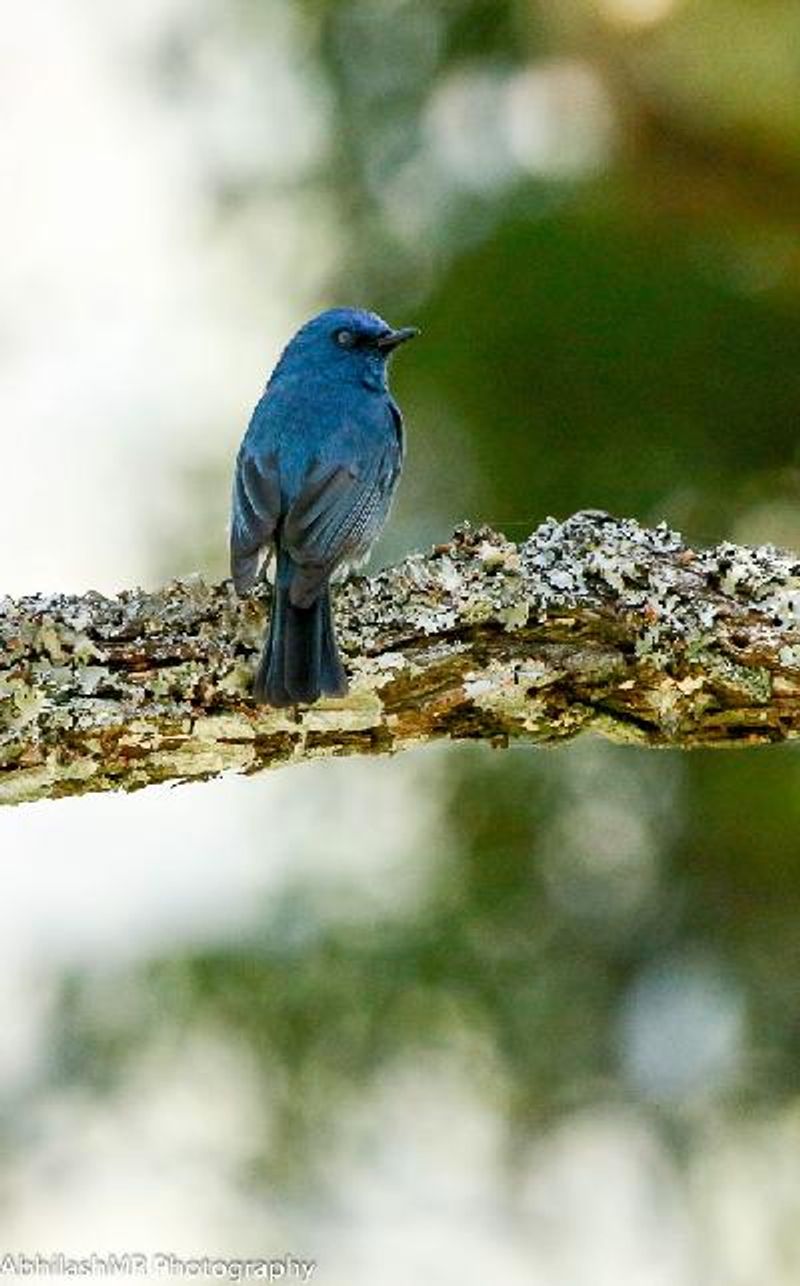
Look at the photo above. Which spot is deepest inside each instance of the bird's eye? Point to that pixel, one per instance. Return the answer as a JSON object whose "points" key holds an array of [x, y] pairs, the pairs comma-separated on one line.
{"points": [[345, 338]]}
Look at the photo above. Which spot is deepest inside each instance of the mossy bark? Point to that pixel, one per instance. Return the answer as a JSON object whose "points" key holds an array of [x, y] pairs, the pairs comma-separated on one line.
{"points": [[594, 624]]}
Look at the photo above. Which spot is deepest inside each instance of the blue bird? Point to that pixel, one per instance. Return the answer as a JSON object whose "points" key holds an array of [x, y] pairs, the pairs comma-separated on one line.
{"points": [[314, 480]]}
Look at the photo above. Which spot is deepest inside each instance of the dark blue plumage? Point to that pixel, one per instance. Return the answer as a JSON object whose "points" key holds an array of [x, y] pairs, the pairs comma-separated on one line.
{"points": [[314, 480]]}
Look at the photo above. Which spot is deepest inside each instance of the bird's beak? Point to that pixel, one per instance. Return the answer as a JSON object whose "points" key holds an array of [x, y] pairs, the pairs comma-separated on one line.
{"points": [[393, 338]]}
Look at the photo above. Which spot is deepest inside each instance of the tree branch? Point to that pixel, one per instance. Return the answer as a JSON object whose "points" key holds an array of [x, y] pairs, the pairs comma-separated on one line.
{"points": [[594, 624]]}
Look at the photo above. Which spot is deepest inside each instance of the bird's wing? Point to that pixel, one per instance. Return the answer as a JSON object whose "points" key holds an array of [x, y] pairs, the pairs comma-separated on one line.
{"points": [[336, 516], [255, 512]]}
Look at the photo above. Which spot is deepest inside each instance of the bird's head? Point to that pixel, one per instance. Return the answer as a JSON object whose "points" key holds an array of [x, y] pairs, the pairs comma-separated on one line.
{"points": [[345, 343]]}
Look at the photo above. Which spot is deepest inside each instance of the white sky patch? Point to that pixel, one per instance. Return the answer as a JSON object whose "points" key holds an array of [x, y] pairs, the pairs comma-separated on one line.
{"points": [[129, 333], [111, 879]]}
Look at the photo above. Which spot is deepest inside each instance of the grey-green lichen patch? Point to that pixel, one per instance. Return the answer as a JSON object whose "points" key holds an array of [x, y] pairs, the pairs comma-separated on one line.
{"points": [[591, 665], [576, 560], [358, 712], [23, 785], [474, 580], [49, 641], [515, 616], [535, 672], [238, 680], [746, 683], [223, 727], [498, 693], [602, 723], [199, 759], [90, 678], [52, 776], [784, 605], [497, 690], [669, 706], [88, 715], [21, 703]]}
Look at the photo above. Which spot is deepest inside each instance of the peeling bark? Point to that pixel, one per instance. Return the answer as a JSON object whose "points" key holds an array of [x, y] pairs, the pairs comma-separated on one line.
{"points": [[594, 624]]}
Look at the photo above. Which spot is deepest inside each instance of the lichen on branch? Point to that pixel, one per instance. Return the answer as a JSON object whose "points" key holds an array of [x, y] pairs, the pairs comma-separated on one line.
{"points": [[594, 624]]}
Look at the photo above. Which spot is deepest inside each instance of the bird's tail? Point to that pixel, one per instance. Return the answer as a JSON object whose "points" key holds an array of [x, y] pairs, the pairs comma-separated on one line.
{"points": [[300, 661]]}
